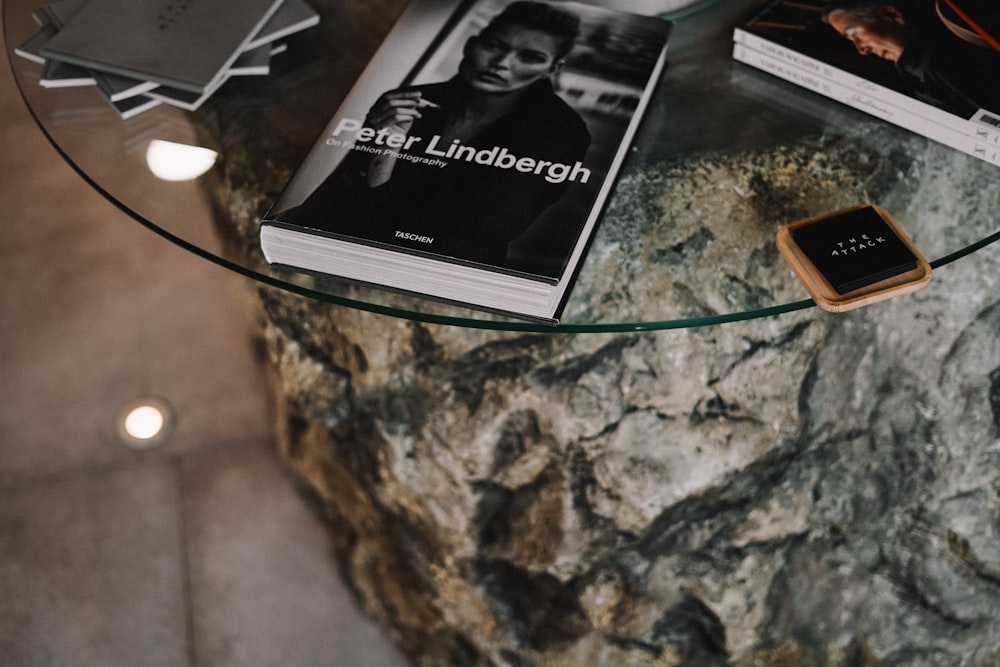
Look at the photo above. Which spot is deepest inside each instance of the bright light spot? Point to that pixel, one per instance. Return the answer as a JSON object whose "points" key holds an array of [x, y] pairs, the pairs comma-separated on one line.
{"points": [[144, 422], [178, 162]]}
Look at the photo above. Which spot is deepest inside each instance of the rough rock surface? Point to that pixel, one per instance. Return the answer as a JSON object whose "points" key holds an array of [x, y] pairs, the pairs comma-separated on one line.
{"points": [[804, 490]]}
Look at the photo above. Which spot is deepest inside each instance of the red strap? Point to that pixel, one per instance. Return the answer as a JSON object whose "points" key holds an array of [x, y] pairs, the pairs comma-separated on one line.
{"points": [[992, 41]]}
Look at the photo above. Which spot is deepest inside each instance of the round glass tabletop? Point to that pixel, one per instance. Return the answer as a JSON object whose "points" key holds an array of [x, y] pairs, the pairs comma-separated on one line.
{"points": [[725, 155]]}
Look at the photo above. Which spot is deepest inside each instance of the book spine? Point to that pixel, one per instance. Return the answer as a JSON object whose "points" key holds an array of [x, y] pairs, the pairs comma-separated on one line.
{"points": [[976, 138], [987, 135]]}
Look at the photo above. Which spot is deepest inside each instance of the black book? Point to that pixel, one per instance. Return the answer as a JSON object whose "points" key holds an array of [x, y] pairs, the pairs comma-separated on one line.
{"points": [[472, 159]]}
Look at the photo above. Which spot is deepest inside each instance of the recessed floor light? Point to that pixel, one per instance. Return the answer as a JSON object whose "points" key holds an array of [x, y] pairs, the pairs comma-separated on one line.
{"points": [[145, 422]]}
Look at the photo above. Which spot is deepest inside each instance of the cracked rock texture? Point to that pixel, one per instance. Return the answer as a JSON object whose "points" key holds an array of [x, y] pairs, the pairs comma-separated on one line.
{"points": [[803, 490]]}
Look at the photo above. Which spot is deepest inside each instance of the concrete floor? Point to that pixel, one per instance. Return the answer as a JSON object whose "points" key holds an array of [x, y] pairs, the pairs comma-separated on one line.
{"points": [[199, 552]]}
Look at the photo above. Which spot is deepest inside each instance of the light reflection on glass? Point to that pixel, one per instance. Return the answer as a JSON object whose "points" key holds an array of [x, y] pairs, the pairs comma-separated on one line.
{"points": [[171, 161]]}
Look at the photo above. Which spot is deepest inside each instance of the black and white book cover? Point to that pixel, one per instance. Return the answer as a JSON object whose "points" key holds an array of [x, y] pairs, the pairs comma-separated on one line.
{"points": [[181, 43], [930, 66], [472, 158]]}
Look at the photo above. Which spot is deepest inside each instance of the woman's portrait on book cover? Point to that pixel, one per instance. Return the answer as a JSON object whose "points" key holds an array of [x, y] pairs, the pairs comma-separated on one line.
{"points": [[493, 148]]}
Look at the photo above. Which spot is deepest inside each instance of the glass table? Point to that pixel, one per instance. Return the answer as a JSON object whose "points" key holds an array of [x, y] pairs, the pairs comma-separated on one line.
{"points": [[773, 489], [724, 156]]}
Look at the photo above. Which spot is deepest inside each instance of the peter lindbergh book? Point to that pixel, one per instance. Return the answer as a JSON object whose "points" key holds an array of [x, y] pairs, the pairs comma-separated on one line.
{"points": [[471, 161]]}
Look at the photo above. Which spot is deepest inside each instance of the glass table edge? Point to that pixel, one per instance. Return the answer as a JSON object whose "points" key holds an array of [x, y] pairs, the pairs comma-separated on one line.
{"points": [[471, 322]]}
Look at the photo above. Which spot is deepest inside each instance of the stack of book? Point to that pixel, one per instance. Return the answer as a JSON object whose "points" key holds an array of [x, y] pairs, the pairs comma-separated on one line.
{"points": [[142, 53], [939, 79]]}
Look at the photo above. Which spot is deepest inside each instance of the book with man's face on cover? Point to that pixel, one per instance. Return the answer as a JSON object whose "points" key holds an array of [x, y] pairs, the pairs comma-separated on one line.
{"points": [[471, 160], [929, 66]]}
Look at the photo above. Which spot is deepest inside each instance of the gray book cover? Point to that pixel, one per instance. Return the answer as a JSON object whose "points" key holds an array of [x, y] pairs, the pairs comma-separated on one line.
{"points": [[180, 43], [293, 16]]}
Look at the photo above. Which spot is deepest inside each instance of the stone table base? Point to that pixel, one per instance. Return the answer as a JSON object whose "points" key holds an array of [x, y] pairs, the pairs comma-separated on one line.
{"points": [[805, 490], [810, 489]]}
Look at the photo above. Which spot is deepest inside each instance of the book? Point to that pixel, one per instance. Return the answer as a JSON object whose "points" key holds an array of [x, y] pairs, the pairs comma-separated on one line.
{"points": [[670, 7], [114, 88], [63, 75], [292, 16], [927, 80], [56, 73], [186, 45], [471, 160], [978, 139], [31, 48], [254, 59], [135, 105]]}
